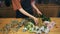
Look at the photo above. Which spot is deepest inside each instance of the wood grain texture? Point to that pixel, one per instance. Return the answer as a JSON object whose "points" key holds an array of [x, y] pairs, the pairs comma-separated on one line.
{"points": [[55, 30]]}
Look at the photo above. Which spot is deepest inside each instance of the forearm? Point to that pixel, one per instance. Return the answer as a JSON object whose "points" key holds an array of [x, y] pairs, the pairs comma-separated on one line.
{"points": [[34, 6], [25, 13]]}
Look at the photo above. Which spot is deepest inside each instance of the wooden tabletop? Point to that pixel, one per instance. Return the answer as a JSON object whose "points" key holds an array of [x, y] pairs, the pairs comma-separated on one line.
{"points": [[4, 21]]}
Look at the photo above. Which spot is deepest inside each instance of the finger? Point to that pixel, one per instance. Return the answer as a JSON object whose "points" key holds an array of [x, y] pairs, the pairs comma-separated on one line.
{"points": [[36, 22]]}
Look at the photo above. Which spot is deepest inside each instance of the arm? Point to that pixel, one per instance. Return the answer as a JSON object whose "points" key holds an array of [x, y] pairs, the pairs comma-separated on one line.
{"points": [[39, 12], [18, 6], [25, 13], [34, 6]]}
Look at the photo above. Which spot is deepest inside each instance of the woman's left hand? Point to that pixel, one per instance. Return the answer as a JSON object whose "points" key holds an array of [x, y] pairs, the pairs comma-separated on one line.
{"points": [[39, 12]]}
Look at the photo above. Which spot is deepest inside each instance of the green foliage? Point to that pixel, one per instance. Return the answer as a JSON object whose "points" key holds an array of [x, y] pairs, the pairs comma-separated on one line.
{"points": [[44, 18]]}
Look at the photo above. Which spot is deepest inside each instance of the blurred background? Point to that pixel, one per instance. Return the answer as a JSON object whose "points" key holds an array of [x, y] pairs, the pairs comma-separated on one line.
{"points": [[50, 8]]}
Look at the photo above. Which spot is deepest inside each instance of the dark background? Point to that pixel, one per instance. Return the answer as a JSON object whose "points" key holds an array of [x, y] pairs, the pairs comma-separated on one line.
{"points": [[50, 8]]}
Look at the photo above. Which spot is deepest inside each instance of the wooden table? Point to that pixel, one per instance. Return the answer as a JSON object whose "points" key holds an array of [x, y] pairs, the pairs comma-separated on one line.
{"points": [[55, 30]]}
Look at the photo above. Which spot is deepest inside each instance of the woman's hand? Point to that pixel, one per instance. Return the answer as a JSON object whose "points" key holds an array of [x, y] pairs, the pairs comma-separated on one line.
{"points": [[35, 20], [39, 12]]}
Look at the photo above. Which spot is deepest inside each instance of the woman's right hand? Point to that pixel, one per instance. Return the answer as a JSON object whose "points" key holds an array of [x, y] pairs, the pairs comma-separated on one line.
{"points": [[35, 20]]}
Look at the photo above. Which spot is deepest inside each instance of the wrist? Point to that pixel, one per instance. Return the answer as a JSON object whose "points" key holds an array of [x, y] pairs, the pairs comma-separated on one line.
{"points": [[32, 17]]}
